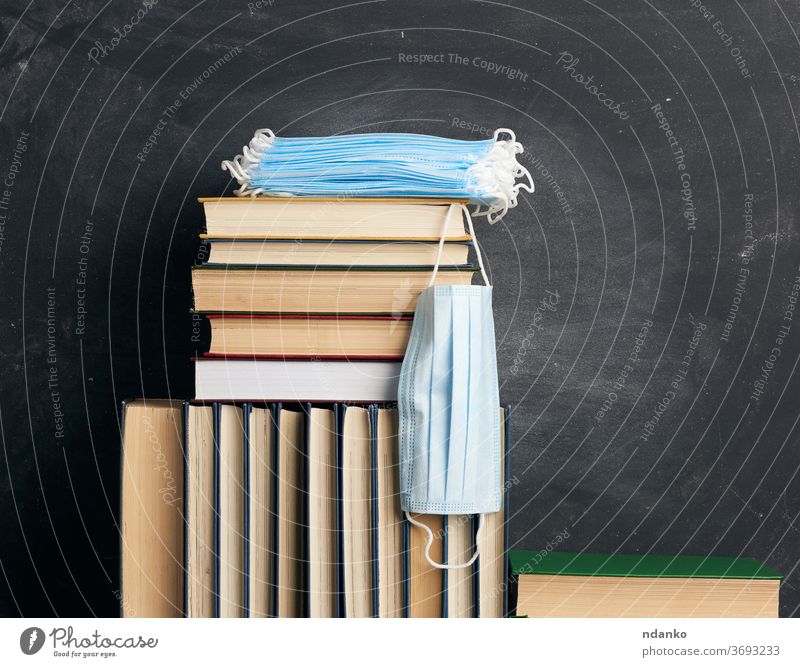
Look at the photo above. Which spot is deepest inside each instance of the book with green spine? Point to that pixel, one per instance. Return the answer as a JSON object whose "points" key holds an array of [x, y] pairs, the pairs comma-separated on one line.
{"points": [[564, 584]]}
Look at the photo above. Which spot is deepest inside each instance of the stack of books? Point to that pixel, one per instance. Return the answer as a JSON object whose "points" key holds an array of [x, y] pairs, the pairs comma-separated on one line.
{"points": [[284, 472], [275, 493], [318, 294]]}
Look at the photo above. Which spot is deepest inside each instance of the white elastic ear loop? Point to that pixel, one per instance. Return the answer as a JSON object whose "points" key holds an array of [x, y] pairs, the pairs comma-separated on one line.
{"points": [[475, 245], [499, 131], [439, 251], [500, 210], [236, 169], [251, 154], [530, 187], [429, 543]]}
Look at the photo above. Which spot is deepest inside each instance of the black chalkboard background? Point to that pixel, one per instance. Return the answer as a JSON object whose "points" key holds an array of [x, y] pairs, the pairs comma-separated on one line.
{"points": [[633, 232]]}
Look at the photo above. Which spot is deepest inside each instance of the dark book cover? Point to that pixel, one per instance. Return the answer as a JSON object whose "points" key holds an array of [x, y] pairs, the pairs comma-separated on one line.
{"points": [[246, 409]]}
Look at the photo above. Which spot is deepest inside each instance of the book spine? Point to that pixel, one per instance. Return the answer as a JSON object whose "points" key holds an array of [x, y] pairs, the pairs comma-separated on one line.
{"points": [[305, 495], [337, 515], [506, 503], [246, 410], [217, 466], [120, 544], [186, 487], [276, 429], [445, 574], [341, 410], [506, 514], [373, 446], [406, 568], [474, 573]]}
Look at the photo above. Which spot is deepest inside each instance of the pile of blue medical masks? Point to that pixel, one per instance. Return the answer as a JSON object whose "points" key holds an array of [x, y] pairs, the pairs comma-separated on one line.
{"points": [[384, 165]]}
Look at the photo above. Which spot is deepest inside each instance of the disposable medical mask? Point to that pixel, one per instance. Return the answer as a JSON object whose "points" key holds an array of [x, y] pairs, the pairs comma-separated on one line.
{"points": [[484, 172]]}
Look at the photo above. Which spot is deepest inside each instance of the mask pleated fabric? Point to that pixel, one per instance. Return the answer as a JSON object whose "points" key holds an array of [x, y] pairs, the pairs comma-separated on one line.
{"points": [[448, 403], [485, 172]]}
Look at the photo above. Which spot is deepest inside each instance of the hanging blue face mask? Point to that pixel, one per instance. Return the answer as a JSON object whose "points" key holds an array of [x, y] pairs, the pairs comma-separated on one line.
{"points": [[448, 402], [384, 165]]}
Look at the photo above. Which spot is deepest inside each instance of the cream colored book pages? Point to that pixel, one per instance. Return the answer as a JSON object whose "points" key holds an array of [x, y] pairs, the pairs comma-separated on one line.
{"points": [[491, 562], [231, 512], [261, 513], [303, 217], [356, 513], [322, 514], [425, 581], [460, 547], [152, 513], [390, 518], [200, 546], [644, 597], [320, 253], [290, 514], [321, 291], [286, 336]]}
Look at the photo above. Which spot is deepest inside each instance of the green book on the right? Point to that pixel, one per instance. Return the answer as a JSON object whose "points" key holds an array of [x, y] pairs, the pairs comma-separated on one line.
{"points": [[566, 584]]}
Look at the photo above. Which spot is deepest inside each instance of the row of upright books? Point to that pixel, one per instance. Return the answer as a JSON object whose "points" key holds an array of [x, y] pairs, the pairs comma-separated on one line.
{"points": [[287, 511], [272, 510]]}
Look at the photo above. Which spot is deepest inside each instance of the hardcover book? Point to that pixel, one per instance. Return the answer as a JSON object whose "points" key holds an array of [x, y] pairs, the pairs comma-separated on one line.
{"points": [[151, 508], [332, 252], [311, 289], [288, 510], [334, 218], [628, 585], [299, 336]]}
